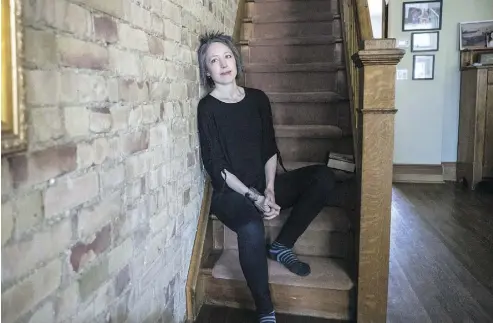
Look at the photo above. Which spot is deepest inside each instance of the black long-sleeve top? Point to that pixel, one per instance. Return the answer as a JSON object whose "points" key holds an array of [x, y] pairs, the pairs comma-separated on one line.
{"points": [[237, 137]]}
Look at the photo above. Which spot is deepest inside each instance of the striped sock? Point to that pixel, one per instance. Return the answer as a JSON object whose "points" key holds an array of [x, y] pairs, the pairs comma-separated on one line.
{"points": [[268, 318], [285, 256]]}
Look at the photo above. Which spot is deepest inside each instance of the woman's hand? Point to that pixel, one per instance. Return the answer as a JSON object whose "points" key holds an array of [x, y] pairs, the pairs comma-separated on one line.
{"points": [[272, 209]]}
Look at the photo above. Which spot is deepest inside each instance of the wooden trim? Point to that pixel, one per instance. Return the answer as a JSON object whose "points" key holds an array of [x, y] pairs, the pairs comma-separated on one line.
{"points": [[377, 64], [194, 299], [422, 173]]}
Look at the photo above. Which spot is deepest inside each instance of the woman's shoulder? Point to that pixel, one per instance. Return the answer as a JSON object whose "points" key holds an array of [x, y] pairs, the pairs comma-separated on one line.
{"points": [[255, 93]]}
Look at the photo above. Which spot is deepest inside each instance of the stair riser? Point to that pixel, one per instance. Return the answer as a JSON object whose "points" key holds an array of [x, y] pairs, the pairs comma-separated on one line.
{"points": [[312, 150], [308, 113], [281, 9], [294, 81], [294, 29], [294, 54], [311, 243], [304, 301]]}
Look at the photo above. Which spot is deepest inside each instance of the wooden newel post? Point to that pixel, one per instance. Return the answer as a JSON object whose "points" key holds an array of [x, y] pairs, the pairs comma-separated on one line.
{"points": [[377, 63]]}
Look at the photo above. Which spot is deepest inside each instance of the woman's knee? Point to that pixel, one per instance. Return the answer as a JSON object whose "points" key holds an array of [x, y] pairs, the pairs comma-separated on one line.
{"points": [[324, 177], [252, 232]]}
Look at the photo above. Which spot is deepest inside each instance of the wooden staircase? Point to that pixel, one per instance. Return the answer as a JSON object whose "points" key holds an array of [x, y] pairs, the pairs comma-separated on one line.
{"points": [[300, 53]]}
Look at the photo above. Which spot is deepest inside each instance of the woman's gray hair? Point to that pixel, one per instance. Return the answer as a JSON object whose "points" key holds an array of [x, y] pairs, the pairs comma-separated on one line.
{"points": [[215, 37]]}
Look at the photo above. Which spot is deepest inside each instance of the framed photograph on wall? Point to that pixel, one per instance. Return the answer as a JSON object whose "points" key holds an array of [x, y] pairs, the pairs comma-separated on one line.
{"points": [[476, 34], [421, 15], [424, 41], [423, 67]]}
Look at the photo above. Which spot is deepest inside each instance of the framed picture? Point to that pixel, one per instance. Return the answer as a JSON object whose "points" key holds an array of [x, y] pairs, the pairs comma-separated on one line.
{"points": [[424, 41], [476, 34], [423, 67], [421, 15], [14, 126]]}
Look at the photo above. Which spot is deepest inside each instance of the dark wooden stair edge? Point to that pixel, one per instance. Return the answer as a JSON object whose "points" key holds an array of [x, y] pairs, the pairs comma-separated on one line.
{"points": [[293, 67], [316, 17], [291, 41]]}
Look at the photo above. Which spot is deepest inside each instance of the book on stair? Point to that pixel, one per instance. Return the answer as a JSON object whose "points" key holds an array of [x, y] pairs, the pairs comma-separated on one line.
{"points": [[342, 162]]}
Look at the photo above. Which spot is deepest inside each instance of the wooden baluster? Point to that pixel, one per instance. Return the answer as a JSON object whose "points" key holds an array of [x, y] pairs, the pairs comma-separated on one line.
{"points": [[377, 66]]}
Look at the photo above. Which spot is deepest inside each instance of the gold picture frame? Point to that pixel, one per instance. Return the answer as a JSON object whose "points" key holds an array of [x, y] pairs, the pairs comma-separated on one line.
{"points": [[14, 127]]}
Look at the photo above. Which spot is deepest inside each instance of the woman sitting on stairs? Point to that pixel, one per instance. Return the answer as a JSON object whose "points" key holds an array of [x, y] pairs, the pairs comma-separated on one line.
{"points": [[240, 154]]}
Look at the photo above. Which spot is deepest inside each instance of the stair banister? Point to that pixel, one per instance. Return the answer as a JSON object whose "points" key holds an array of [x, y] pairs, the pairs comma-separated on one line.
{"points": [[371, 66]]}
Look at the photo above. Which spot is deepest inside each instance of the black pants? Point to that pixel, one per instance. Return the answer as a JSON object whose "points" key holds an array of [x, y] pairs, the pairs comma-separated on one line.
{"points": [[306, 190]]}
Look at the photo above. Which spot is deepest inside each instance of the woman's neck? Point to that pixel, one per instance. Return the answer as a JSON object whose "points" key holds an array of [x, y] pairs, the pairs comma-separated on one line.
{"points": [[228, 92]]}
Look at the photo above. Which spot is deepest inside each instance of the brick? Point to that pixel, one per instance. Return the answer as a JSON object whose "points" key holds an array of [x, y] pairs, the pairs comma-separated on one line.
{"points": [[113, 177], [105, 29], [153, 67], [77, 20], [82, 88], [44, 87], [42, 165], [76, 121], [132, 38], [29, 211], [81, 54], [135, 117], [46, 124], [159, 91], [84, 253], [7, 221], [119, 116], [45, 313], [150, 113], [122, 280], [172, 31], [137, 165], [156, 46], [70, 192], [124, 63], [134, 190], [190, 159], [170, 49], [172, 12], [135, 141], [18, 259], [129, 222], [67, 302], [120, 256], [157, 24], [93, 278], [24, 296], [186, 197], [159, 135], [178, 91], [7, 183], [100, 120], [40, 47], [138, 16], [92, 218], [133, 91], [111, 7]]}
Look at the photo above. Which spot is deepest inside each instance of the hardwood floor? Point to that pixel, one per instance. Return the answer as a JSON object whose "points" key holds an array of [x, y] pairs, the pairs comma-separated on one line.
{"points": [[441, 259]]}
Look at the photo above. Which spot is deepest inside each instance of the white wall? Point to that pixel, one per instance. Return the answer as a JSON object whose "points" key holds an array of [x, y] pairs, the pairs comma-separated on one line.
{"points": [[428, 111], [375, 7]]}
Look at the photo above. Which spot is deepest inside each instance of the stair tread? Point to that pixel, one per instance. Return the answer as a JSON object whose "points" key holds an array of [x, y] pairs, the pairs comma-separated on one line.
{"points": [[293, 17], [326, 273], [307, 131], [325, 96], [291, 165], [329, 219], [294, 67], [308, 40]]}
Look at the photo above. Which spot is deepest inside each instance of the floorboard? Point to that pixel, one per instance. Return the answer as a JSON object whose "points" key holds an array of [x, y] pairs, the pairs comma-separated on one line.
{"points": [[441, 259]]}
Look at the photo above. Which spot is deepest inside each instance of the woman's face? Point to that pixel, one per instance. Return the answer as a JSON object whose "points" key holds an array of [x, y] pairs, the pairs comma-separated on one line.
{"points": [[221, 63]]}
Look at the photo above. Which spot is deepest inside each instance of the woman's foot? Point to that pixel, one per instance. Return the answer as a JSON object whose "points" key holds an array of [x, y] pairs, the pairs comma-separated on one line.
{"points": [[286, 257], [268, 318]]}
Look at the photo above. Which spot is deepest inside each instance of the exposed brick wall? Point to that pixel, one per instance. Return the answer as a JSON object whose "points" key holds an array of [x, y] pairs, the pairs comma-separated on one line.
{"points": [[99, 216]]}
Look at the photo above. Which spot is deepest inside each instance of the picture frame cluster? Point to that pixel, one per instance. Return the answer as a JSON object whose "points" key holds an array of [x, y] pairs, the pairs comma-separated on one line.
{"points": [[424, 20]]}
